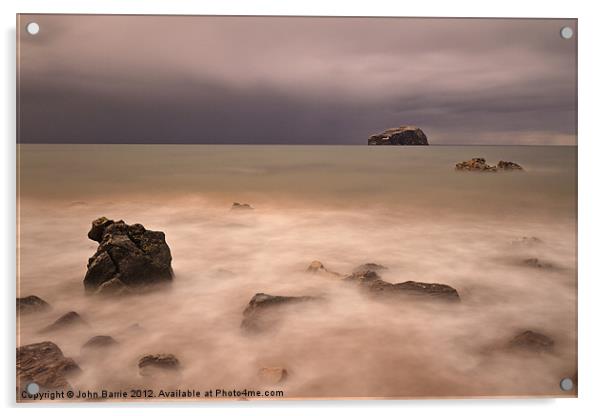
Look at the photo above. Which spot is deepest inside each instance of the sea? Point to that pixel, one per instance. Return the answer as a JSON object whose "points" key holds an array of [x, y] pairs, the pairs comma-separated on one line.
{"points": [[405, 208]]}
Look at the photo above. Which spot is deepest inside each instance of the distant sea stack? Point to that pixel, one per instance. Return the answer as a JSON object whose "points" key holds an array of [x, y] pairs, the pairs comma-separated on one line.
{"points": [[400, 136]]}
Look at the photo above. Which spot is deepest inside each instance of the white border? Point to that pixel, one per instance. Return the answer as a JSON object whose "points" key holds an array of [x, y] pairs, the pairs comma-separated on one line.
{"points": [[590, 206]]}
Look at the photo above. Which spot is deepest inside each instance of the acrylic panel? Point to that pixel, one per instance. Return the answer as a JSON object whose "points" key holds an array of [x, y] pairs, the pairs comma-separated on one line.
{"points": [[276, 208]]}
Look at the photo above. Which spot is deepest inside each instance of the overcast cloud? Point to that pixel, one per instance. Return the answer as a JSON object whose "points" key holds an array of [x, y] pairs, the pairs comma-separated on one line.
{"points": [[160, 79]]}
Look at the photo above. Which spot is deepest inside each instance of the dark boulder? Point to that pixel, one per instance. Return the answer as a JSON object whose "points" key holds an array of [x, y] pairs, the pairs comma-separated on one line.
{"points": [[401, 136], [99, 341], [68, 320], [128, 257], [257, 315], [153, 363], [477, 164], [31, 304], [503, 165], [44, 364], [531, 341]]}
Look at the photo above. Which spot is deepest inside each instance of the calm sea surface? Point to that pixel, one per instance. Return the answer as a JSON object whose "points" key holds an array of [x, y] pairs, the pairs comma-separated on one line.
{"points": [[403, 207]]}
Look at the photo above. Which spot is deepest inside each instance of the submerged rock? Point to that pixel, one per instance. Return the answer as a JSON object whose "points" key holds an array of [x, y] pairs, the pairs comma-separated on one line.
{"points": [[272, 375], [527, 241], [401, 136], [531, 341], [535, 262], [238, 206], [31, 304], [373, 283], [223, 274], [373, 267], [316, 267], [99, 341], [261, 301], [44, 364], [128, 257], [135, 327], [256, 313], [415, 289], [152, 363], [363, 276], [68, 320], [503, 165]]}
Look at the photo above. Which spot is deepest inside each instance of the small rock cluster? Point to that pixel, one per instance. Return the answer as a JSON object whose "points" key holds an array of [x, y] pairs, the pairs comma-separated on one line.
{"points": [[257, 316], [478, 164], [367, 276]]}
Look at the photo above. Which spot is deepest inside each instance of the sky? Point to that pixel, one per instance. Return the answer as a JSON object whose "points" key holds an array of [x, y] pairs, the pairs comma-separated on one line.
{"points": [[294, 80]]}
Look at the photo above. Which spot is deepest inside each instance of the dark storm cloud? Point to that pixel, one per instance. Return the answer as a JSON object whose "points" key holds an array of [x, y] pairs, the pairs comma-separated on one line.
{"points": [[295, 80]]}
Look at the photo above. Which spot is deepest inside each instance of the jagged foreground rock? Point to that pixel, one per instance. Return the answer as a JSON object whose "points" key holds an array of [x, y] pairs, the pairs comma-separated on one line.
{"points": [[44, 364], [128, 257], [400, 136]]}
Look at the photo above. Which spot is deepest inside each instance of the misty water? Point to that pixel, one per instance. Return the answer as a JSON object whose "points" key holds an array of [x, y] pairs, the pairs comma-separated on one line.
{"points": [[402, 207]]}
